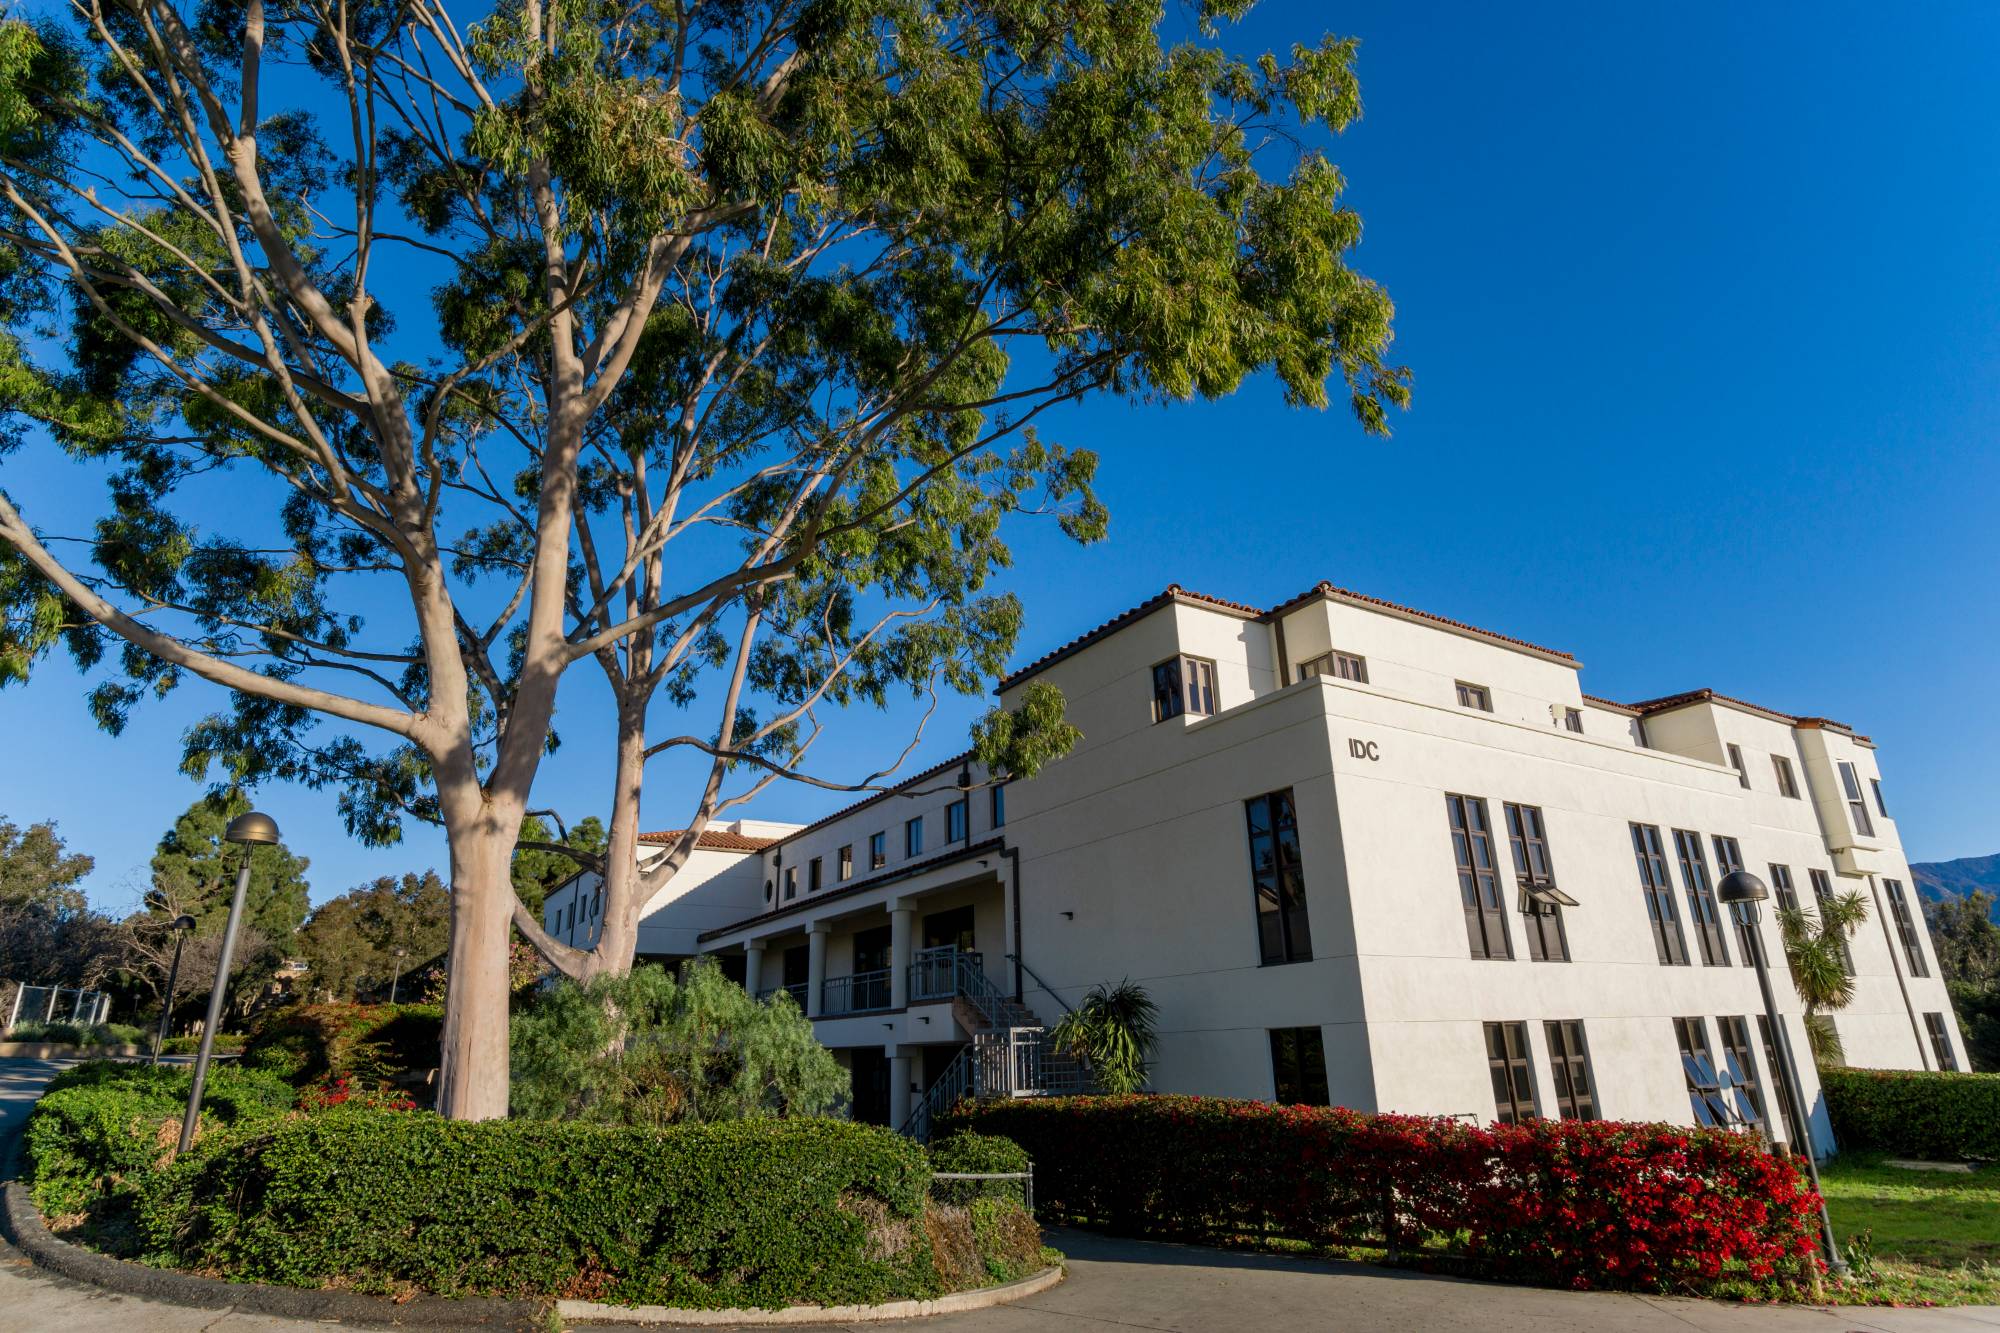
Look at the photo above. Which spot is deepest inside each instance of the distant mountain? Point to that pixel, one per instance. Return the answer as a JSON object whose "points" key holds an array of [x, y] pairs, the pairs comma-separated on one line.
{"points": [[1938, 880]]}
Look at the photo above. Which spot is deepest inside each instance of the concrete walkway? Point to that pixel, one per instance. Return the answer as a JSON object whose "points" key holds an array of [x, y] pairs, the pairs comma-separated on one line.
{"points": [[1114, 1286]]}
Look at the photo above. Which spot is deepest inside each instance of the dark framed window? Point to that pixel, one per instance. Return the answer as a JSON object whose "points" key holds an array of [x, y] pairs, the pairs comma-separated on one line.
{"points": [[913, 836], [1795, 1133], [1702, 910], [1857, 808], [1704, 1087], [1745, 1088], [1513, 1081], [1277, 875], [791, 882], [1881, 806], [1940, 1042], [1906, 928], [1474, 696], [1341, 666], [1822, 886], [1573, 720], [1478, 877], [872, 948], [813, 875], [878, 850], [1298, 1067], [847, 863], [999, 799], [1658, 889], [1736, 762], [1535, 876], [1782, 886], [956, 821], [1729, 857], [1569, 1070], [1183, 685], [1788, 784]]}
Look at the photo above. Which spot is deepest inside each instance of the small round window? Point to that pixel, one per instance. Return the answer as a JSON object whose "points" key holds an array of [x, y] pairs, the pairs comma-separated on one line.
{"points": [[768, 886]]}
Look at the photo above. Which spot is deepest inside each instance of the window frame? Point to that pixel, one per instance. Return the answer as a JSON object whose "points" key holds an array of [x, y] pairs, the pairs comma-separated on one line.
{"points": [[1788, 781], [1537, 916], [1735, 753], [791, 883], [1881, 806], [1822, 887], [1691, 1038], [1782, 885], [1794, 1126], [1573, 720], [913, 837], [815, 874], [1728, 857], [1906, 928], [1857, 802], [1732, 1033], [1478, 883], [878, 849], [1475, 696], [844, 865], [1183, 685], [1301, 1061], [996, 808], [1934, 1028], [957, 822], [1702, 907], [1284, 917], [1335, 664], [1656, 887], [1569, 1065], [1508, 1069]]}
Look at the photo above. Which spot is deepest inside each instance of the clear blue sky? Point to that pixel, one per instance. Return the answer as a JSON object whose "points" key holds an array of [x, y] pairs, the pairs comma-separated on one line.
{"points": [[1703, 305]]}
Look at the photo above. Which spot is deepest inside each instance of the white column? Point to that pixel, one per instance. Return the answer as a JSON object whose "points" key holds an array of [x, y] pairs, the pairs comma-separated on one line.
{"points": [[899, 1087], [753, 967], [902, 924], [815, 967]]}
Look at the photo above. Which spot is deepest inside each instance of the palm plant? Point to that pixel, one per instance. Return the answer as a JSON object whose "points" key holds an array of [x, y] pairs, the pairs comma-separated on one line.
{"points": [[1112, 1029], [1822, 968]]}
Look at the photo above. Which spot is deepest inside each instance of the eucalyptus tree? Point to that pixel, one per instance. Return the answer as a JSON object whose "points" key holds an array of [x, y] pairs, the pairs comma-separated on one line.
{"points": [[703, 345]]}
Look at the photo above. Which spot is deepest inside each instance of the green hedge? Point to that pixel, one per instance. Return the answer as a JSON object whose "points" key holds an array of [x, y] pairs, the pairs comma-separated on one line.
{"points": [[760, 1213], [977, 1153], [75, 1034], [1915, 1113], [224, 1041], [368, 1044], [100, 1127]]}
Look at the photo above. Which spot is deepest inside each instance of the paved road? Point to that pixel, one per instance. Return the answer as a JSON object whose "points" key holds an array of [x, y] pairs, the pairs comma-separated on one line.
{"points": [[1114, 1286]]}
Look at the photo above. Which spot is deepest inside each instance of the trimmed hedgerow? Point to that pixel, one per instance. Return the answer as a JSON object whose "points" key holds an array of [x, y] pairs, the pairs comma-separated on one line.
{"points": [[761, 1212], [977, 1153], [1577, 1204], [1915, 1113], [102, 1126]]}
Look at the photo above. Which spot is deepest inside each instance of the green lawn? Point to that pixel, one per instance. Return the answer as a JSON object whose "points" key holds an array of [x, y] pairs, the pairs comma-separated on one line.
{"points": [[1932, 1235]]}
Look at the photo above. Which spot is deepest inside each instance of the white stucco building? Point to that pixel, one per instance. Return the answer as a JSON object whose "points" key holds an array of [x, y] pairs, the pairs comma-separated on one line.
{"points": [[1355, 852]]}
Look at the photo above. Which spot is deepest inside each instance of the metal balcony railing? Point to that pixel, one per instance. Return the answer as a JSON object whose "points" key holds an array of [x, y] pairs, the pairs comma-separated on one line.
{"points": [[862, 993], [797, 990], [938, 974]]}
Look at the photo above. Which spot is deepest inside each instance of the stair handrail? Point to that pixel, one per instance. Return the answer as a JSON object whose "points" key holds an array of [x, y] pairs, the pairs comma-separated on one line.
{"points": [[973, 983], [1039, 981]]}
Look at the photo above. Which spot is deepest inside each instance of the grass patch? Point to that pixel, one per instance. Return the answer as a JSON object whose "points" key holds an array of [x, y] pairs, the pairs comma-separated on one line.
{"points": [[1915, 1237]]}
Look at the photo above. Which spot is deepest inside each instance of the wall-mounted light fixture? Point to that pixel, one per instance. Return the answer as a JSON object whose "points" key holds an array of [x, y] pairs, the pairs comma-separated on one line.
{"points": [[1069, 916]]}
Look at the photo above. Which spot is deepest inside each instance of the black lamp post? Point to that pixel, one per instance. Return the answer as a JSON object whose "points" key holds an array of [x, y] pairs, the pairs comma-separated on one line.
{"points": [[246, 831], [401, 954], [182, 926], [1743, 890]]}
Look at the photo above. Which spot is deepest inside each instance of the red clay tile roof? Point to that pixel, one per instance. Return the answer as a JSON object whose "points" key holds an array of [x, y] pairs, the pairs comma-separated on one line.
{"points": [[1667, 703], [963, 756], [1325, 589], [1612, 704], [711, 840]]}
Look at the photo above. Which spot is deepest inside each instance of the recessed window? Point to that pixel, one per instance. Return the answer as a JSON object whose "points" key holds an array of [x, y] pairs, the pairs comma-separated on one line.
{"points": [[1788, 785], [791, 882], [1745, 1090], [1728, 858], [1277, 877], [1478, 877], [878, 850], [1940, 1042], [1906, 928], [1659, 893], [1794, 1133], [813, 875], [1183, 685], [1573, 720], [1569, 1070], [1701, 899], [1881, 806], [1535, 875], [1513, 1082], [1475, 696], [1339, 665], [1000, 806], [1298, 1066], [1857, 809], [1822, 885], [955, 821], [1704, 1086], [847, 863], [769, 890], [1736, 762], [913, 836], [1781, 884]]}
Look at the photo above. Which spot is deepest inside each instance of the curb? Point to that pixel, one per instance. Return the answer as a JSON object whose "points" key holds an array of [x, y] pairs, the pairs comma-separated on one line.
{"points": [[592, 1312], [49, 1050]]}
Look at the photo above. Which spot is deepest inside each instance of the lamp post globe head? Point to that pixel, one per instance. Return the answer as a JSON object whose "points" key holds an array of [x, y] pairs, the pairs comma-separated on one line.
{"points": [[252, 827], [1740, 886], [183, 922]]}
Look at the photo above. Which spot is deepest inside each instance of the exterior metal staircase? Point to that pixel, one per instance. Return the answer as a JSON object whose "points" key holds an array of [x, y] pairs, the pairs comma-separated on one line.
{"points": [[1010, 1054]]}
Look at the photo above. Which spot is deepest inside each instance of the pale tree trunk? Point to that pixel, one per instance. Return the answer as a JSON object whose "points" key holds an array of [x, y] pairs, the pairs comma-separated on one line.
{"points": [[473, 1075], [624, 893]]}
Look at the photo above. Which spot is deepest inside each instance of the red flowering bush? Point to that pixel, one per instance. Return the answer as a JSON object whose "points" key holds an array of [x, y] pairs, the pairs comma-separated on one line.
{"points": [[1571, 1203], [340, 1090]]}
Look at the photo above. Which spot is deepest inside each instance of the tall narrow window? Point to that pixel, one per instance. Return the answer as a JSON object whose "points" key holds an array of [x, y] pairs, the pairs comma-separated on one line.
{"points": [[1736, 762], [1881, 806], [1781, 884], [1940, 1042], [1704, 1088], [1569, 1069], [1701, 899], [913, 836], [1183, 685], [1298, 1066], [1729, 857], [1000, 805], [1906, 928], [1658, 888], [1573, 720], [1857, 808], [1535, 876], [1475, 696], [878, 850], [1478, 878], [1513, 1081], [1795, 1133], [955, 821], [813, 875], [791, 882], [1745, 1090], [847, 863], [1277, 874], [1342, 666], [1788, 784], [1822, 886]]}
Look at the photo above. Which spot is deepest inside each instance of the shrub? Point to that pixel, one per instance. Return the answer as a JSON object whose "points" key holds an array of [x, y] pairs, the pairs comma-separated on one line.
{"points": [[970, 1152], [370, 1044], [102, 1126], [73, 1034], [650, 1049], [224, 1041], [1915, 1113], [1570, 1203], [756, 1212]]}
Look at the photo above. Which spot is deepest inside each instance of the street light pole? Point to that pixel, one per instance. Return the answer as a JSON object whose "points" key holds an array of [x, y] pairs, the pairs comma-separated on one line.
{"points": [[1740, 888], [247, 831], [181, 926], [401, 954]]}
